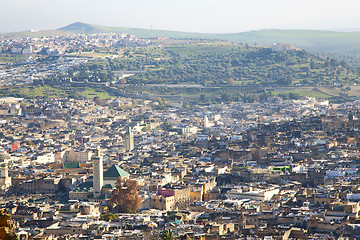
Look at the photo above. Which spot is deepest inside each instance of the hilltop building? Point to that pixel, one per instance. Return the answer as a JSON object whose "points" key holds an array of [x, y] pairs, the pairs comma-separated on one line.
{"points": [[283, 47]]}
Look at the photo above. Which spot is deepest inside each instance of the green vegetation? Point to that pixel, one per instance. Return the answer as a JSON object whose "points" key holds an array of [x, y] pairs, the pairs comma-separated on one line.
{"points": [[125, 198], [217, 64], [168, 128], [109, 217], [302, 92], [341, 42], [166, 235], [220, 64], [33, 91], [332, 41], [9, 58], [202, 72], [47, 91], [90, 93]]}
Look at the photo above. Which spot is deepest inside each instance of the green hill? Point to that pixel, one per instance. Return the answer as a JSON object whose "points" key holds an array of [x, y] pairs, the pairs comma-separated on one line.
{"points": [[79, 27], [207, 70], [215, 64], [342, 42], [330, 41]]}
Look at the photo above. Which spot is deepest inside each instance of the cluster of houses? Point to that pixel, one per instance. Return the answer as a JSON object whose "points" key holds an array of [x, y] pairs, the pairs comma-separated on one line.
{"points": [[54, 45], [271, 170]]}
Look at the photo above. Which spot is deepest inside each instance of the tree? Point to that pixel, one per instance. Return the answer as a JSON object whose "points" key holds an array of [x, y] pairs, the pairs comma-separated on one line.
{"points": [[284, 96], [225, 97], [294, 96], [159, 100], [62, 187], [203, 98], [125, 197], [6, 230], [109, 217], [166, 235]]}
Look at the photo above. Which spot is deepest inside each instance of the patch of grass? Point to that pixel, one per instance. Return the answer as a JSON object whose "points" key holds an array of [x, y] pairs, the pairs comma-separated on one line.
{"points": [[309, 93], [8, 58], [90, 93], [44, 91], [91, 54]]}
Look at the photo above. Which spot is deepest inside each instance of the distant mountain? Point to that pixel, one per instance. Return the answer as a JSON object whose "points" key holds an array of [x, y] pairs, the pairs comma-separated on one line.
{"points": [[79, 27]]}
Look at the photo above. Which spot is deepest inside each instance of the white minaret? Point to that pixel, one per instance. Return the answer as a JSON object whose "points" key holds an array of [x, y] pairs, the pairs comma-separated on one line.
{"points": [[206, 122], [129, 140], [98, 178]]}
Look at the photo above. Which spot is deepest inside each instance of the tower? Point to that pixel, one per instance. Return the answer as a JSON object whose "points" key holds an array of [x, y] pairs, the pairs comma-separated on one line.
{"points": [[129, 140], [4, 170], [5, 180], [242, 221], [98, 178], [206, 122]]}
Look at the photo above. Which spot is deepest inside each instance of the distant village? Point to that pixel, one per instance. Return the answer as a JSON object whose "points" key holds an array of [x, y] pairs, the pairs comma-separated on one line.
{"points": [[54, 45], [53, 49]]}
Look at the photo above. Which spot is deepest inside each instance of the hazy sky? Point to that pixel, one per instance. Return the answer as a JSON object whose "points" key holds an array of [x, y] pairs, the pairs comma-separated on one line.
{"points": [[183, 15]]}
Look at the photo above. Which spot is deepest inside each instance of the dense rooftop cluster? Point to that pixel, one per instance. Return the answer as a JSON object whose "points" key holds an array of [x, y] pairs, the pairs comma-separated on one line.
{"points": [[53, 45], [280, 169], [41, 57]]}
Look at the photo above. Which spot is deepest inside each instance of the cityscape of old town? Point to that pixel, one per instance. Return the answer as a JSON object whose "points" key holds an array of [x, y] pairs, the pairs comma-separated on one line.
{"points": [[138, 133]]}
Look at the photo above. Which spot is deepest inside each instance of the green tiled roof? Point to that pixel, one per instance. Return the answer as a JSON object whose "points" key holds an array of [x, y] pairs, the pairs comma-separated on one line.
{"points": [[115, 172], [110, 186], [85, 187], [71, 165]]}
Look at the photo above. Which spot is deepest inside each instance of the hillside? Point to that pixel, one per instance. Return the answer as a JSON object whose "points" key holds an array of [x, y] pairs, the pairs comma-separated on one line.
{"points": [[216, 64], [43, 33], [339, 42], [212, 70], [342, 42], [329, 41], [79, 27]]}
